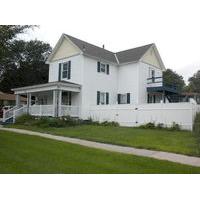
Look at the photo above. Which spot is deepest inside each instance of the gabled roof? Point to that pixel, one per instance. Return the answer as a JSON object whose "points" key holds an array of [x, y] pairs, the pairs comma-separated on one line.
{"points": [[132, 55], [122, 57], [92, 50]]}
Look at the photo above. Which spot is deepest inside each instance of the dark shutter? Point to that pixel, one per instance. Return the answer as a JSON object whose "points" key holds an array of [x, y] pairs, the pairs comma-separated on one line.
{"points": [[107, 69], [70, 98], [118, 98], [98, 97], [107, 98], [69, 70], [128, 98], [98, 66], [59, 72]]}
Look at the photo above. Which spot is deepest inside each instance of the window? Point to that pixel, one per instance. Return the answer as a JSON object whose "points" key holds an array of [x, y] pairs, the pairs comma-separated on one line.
{"points": [[153, 75], [66, 70], [102, 98], [124, 98], [103, 68]]}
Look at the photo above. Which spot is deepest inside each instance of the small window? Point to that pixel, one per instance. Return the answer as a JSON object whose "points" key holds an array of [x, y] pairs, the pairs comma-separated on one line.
{"points": [[123, 98], [103, 68], [102, 98], [66, 70]]}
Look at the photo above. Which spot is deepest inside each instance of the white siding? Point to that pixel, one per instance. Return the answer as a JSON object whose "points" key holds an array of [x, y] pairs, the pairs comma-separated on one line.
{"points": [[128, 81], [76, 69], [96, 81]]}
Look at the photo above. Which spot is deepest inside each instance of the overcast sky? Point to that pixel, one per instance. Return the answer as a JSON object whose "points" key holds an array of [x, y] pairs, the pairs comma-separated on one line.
{"points": [[174, 26]]}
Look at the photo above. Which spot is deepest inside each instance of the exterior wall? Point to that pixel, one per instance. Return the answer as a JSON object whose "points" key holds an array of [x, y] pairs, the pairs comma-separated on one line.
{"points": [[67, 49], [128, 81], [143, 75], [151, 58], [76, 69], [94, 81], [133, 115]]}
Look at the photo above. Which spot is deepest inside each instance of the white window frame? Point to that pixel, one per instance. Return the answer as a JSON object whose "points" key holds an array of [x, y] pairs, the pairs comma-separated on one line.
{"points": [[66, 70]]}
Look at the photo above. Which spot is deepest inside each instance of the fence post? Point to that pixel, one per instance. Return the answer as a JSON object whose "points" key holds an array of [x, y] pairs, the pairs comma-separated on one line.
{"points": [[40, 110], [14, 116], [4, 118]]}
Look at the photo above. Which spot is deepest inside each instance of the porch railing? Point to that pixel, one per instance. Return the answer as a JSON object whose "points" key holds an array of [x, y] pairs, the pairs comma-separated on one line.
{"points": [[41, 110], [7, 114], [155, 82], [72, 111]]}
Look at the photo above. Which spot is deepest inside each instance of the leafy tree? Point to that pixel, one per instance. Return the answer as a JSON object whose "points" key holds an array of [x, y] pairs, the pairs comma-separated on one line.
{"points": [[22, 63], [194, 83], [170, 77]]}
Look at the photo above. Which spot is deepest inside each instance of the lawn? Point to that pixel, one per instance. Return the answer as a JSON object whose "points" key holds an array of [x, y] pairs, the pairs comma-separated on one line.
{"points": [[32, 154], [183, 142]]}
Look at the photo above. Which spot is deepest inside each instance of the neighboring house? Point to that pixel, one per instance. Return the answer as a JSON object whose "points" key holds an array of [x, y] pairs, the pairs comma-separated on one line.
{"points": [[9, 99], [82, 75]]}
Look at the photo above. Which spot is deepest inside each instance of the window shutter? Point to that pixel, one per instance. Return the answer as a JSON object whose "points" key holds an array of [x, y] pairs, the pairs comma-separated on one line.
{"points": [[59, 72], [98, 97], [128, 98], [70, 98], [69, 70], [107, 69], [107, 98], [98, 66], [118, 98]]}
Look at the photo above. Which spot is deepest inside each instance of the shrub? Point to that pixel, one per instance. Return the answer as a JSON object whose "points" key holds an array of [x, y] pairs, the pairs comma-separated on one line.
{"points": [[24, 119], [107, 123], [149, 125], [175, 127], [46, 121], [196, 124], [160, 126]]}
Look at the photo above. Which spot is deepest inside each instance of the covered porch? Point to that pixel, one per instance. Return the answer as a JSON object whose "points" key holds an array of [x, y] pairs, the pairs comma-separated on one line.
{"points": [[53, 99]]}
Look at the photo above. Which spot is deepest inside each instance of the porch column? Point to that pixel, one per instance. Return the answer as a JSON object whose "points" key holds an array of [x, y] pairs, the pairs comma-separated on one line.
{"points": [[59, 102], [28, 102], [55, 103], [17, 100]]}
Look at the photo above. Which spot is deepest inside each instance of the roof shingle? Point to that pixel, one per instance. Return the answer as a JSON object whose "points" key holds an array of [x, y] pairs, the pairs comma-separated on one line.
{"points": [[131, 55]]}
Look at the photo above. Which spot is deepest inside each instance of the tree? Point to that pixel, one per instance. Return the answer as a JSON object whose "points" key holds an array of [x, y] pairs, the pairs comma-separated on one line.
{"points": [[170, 77], [22, 63], [194, 83]]}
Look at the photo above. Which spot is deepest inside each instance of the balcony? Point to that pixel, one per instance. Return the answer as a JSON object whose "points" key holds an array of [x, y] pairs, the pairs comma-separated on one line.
{"points": [[156, 84]]}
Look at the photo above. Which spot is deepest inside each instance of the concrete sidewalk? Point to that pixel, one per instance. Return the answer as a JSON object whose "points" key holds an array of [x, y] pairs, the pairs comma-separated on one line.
{"points": [[173, 157]]}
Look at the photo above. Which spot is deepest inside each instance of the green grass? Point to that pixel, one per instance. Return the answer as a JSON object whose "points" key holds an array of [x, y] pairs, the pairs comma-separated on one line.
{"points": [[32, 154], [183, 142]]}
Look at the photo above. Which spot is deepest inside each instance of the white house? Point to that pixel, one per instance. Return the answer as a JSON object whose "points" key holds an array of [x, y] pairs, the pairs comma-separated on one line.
{"points": [[83, 76]]}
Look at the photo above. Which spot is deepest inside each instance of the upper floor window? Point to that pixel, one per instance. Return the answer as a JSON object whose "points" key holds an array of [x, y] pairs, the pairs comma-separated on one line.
{"points": [[102, 67], [66, 70]]}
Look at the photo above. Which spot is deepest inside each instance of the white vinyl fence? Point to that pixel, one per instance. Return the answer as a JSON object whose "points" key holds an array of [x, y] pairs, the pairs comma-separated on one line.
{"points": [[136, 115]]}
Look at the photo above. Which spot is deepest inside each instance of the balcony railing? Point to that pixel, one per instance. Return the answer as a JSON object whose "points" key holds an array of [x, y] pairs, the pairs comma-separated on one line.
{"points": [[158, 82], [155, 82]]}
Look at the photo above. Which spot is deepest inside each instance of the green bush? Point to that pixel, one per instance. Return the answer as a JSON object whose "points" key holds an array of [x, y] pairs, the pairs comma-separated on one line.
{"points": [[175, 127], [149, 125], [24, 119], [160, 126], [46, 121], [107, 123], [196, 124]]}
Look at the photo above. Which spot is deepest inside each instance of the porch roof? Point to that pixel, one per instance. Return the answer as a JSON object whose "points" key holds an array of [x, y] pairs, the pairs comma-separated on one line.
{"points": [[58, 85]]}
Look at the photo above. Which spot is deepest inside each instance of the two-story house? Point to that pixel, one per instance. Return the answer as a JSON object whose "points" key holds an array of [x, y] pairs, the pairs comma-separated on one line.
{"points": [[82, 75]]}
